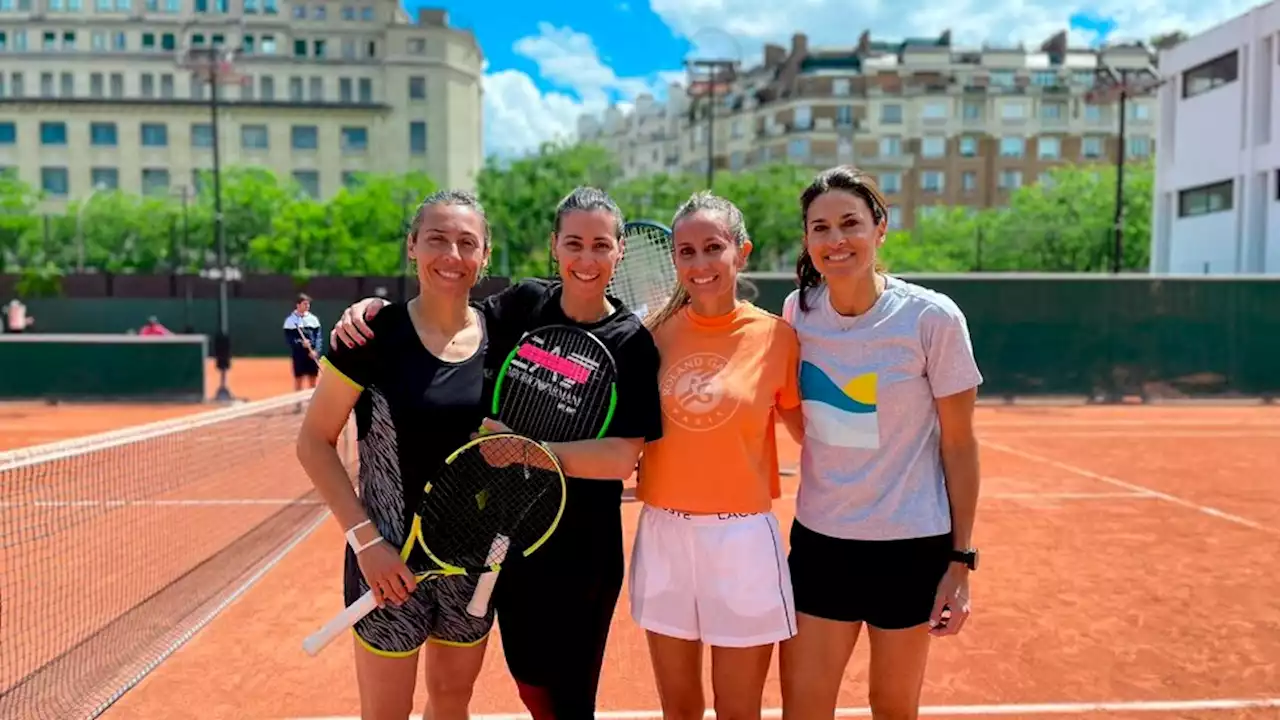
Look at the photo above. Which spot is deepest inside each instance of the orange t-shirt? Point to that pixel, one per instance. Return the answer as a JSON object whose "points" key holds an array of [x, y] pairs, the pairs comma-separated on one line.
{"points": [[720, 381]]}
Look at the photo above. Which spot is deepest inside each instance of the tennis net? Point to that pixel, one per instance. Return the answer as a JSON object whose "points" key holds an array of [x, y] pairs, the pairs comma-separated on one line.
{"points": [[116, 548]]}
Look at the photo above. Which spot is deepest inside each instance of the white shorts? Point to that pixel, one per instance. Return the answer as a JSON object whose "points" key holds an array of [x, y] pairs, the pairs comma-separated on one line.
{"points": [[721, 579]]}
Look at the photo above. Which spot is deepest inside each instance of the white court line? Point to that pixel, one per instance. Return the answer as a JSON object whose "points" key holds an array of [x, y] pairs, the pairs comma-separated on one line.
{"points": [[1134, 487], [1054, 496], [153, 503], [1062, 708]]}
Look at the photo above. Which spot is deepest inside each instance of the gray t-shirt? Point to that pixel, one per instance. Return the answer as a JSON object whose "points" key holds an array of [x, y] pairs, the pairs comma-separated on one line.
{"points": [[871, 467]]}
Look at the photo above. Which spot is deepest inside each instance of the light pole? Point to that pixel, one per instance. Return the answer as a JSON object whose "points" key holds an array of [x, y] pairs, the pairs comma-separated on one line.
{"points": [[215, 64]]}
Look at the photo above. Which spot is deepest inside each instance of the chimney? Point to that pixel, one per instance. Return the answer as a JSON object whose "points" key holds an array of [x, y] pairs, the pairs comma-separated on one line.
{"points": [[800, 44], [945, 40], [864, 42], [435, 17], [774, 55]]}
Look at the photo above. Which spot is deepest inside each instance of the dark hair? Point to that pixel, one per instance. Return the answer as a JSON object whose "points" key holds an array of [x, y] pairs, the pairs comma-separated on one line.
{"points": [[461, 198], [844, 178], [589, 199], [702, 201], [302, 297]]}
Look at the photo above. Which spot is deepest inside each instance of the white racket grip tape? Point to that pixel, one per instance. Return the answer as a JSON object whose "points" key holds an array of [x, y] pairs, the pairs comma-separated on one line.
{"points": [[342, 622], [479, 604]]}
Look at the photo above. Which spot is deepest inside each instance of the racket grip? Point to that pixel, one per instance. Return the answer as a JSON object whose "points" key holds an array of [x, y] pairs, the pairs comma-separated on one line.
{"points": [[479, 604], [341, 622]]}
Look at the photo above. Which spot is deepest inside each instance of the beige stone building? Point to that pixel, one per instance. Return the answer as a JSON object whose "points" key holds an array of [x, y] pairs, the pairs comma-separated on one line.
{"points": [[94, 94], [938, 125]]}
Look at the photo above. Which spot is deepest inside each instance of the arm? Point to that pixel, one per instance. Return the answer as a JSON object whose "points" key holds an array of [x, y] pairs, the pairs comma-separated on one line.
{"points": [[326, 417], [793, 419], [959, 446], [787, 402], [604, 459]]}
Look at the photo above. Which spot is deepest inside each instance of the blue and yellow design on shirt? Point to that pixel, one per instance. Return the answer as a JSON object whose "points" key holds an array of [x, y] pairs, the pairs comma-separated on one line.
{"points": [[842, 416]]}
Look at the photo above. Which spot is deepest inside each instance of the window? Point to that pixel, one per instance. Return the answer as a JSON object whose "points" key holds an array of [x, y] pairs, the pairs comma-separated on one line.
{"points": [[972, 111], [891, 114], [931, 181], [890, 146], [53, 133], [8, 133], [1091, 147], [254, 137], [366, 90], [844, 116], [933, 146], [148, 85], [798, 149], [54, 180], [418, 137], [969, 181], [895, 217], [1138, 147], [355, 139], [316, 89], [295, 89], [201, 135], [155, 135], [1050, 148], [1206, 199], [166, 85], [345, 93], [299, 48], [1053, 111], [105, 178], [1013, 111], [1219, 71], [267, 88], [891, 183], [1002, 78], [304, 137], [103, 134], [968, 146], [1010, 179], [417, 88], [934, 111], [840, 87], [155, 181], [309, 180], [803, 118], [1012, 147]]}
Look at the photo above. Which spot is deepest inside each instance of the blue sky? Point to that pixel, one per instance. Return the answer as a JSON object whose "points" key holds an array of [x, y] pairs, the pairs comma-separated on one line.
{"points": [[551, 62]]}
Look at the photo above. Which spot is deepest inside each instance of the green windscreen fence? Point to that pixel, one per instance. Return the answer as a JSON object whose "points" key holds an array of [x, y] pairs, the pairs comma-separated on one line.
{"points": [[1110, 337], [102, 367]]}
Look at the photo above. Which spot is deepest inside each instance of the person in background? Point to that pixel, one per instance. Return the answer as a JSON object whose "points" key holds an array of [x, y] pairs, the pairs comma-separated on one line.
{"points": [[16, 318], [303, 334], [153, 327]]}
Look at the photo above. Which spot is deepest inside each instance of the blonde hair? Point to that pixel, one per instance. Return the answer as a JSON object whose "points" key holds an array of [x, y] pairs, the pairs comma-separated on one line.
{"points": [[729, 213]]}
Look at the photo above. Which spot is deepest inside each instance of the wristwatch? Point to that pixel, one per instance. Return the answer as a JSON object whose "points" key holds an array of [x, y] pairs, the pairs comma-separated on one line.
{"points": [[969, 557]]}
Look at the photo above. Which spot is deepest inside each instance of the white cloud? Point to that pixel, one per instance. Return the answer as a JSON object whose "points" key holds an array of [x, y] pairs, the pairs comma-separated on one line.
{"points": [[518, 116], [839, 22]]}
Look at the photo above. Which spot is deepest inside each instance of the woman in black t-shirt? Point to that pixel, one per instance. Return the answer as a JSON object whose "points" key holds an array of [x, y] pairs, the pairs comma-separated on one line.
{"points": [[417, 390], [554, 610]]}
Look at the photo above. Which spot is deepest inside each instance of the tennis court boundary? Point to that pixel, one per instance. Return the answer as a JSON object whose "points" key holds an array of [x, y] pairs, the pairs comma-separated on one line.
{"points": [[1000, 709]]}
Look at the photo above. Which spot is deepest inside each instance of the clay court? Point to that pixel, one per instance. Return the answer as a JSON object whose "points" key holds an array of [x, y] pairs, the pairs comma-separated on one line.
{"points": [[1127, 572]]}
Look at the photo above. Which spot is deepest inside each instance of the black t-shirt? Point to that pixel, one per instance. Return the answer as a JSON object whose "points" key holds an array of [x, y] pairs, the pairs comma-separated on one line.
{"points": [[414, 410], [534, 303]]}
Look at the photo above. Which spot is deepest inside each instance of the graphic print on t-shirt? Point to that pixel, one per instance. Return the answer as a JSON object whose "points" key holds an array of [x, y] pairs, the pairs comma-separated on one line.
{"points": [[693, 392], [841, 416]]}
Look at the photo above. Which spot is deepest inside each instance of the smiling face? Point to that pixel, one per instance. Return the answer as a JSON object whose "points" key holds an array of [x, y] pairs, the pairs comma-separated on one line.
{"points": [[450, 249], [842, 235], [707, 259], [587, 249]]}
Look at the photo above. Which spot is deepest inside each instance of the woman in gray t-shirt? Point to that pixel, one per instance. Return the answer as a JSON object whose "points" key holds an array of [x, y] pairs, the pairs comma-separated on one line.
{"points": [[889, 464]]}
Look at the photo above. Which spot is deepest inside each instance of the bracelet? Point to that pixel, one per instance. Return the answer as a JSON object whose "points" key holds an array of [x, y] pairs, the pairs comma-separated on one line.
{"points": [[354, 543]]}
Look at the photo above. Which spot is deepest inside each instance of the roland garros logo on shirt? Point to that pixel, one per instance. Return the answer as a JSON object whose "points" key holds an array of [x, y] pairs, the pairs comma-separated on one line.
{"points": [[693, 394]]}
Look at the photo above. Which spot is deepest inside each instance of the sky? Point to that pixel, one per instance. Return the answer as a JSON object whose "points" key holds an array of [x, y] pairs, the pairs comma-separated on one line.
{"points": [[550, 62]]}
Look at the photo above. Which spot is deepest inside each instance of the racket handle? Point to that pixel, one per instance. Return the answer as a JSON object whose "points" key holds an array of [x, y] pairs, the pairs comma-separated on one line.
{"points": [[479, 604], [341, 622]]}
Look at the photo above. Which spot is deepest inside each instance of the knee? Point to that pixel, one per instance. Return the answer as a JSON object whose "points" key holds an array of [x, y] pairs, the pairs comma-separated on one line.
{"points": [[889, 706], [450, 686], [734, 708]]}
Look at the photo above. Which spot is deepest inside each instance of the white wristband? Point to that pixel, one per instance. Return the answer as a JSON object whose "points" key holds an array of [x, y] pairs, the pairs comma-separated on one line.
{"points": [[354, 543]]}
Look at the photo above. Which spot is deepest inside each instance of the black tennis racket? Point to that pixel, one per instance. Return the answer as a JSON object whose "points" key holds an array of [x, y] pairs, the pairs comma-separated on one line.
{"points": [[559, 384], [499, 494]]}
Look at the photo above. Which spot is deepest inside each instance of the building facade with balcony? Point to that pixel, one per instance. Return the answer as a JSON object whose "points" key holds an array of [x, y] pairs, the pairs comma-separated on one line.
{"points": [[95, 94], [1216, 209], [938, 125]]}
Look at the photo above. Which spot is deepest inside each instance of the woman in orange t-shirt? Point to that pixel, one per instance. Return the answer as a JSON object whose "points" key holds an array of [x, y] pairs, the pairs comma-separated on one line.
{"points": [[709, 564]]}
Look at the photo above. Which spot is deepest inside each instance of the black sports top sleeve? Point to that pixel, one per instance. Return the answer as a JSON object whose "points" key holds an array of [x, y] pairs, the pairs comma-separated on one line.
{"points": [[639, 412], [359, 364]]}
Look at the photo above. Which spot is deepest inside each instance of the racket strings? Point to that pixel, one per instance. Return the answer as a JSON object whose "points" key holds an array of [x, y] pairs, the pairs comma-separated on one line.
{"points": [[646, 275], [558, 388], [501, 486]]}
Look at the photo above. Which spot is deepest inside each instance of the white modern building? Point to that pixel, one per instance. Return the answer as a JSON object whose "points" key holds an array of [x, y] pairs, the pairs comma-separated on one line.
{"points": [[1217, 186]]}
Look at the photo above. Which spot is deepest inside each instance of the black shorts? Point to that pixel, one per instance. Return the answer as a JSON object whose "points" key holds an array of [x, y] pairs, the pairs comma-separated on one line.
{"points": [[555, 607], [888, 584], [305, 367]]}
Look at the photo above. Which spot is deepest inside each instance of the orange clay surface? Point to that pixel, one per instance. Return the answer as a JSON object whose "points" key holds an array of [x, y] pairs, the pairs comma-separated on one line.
{"points": [[1128, 557]]}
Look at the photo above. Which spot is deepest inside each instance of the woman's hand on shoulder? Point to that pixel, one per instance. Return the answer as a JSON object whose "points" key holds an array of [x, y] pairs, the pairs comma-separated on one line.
{"points": [[353, 327]]}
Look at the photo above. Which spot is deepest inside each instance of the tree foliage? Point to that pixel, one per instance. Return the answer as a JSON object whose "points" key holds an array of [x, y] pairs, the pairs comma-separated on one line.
{"points": [[272, 226]]}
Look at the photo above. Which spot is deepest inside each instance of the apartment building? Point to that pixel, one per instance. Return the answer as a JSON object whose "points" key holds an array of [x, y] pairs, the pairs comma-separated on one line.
{"points": [[939, 125], [95, 94], [1216, 209]]}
